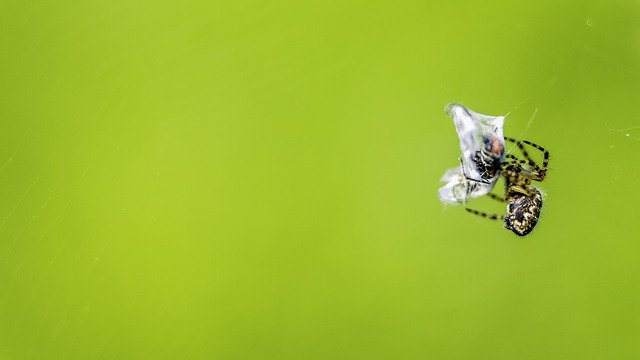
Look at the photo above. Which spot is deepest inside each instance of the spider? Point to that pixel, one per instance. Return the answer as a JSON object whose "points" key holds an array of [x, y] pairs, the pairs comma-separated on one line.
{"points": [[524, 201]]}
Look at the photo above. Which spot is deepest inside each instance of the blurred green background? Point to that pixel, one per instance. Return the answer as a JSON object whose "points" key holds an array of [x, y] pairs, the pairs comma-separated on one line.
{"points": [[257, 180]]}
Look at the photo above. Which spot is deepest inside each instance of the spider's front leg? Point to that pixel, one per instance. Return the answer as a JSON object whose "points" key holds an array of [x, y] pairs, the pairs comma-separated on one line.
{"points": [[541, 170]]}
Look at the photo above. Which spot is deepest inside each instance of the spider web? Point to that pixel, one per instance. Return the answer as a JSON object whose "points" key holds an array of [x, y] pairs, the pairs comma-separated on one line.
{"points": [[35, 208], [628, 132]]}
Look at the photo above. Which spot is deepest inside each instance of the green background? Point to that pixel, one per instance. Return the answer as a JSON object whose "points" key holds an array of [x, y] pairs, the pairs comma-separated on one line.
{"points": [[257, 180]]}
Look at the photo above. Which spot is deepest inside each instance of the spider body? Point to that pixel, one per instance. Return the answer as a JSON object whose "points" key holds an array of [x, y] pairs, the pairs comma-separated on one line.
{"points": [[523, 212], [524, 201]]}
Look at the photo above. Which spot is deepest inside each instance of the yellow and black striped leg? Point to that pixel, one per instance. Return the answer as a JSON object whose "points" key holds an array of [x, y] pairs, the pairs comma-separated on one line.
{"points": [[496, 197], [513, 160], [541, 170], [485, 215], [545, 162]]}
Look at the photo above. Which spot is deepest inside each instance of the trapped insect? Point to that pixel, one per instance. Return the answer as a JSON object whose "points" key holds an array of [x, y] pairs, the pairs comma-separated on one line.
{"points": [[524, 201], [483, 147]]}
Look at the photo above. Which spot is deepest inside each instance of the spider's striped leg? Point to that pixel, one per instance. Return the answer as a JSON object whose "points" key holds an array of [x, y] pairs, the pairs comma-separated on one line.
{"points": [[496, 197], [485, 215], [513, 171], [512, 160], [541, 170], [511, 167], [545, 162]]}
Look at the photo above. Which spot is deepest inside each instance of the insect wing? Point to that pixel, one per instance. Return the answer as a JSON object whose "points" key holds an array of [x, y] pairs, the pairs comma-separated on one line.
{"points": [[458, 189]]}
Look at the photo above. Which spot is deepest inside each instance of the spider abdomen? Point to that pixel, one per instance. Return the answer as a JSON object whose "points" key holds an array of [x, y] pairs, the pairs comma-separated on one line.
{"points": [[523, 211]]}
